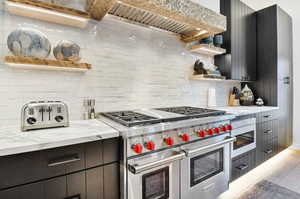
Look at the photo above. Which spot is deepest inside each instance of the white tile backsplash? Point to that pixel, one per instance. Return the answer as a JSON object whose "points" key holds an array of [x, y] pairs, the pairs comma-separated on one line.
{"points": [[133, 67]]}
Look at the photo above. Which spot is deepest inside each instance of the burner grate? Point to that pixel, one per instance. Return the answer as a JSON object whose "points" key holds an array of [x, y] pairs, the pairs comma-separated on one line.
{"points": [[131, 118], [192, 111]]}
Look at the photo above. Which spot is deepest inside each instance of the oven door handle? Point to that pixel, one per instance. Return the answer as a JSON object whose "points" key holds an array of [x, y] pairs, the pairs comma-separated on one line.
{"points": [[140, 168], [196, 151]]}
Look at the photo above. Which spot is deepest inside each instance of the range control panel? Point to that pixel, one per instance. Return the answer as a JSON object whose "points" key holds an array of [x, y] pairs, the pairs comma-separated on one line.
{"points": [[161, 140]]}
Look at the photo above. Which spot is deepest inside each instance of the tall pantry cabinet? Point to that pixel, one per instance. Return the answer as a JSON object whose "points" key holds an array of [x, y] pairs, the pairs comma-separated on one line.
{"points": [[274, 67]]}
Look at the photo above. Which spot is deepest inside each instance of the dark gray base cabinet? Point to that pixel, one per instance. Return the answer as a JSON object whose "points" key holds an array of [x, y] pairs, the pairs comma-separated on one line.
{"points": [[243, 164], [267, 144], [267, 140], [93, 175]]}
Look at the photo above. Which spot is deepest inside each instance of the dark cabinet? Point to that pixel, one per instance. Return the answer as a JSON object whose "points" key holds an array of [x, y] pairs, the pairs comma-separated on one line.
{"points": [[66, 187], [239, 62], [243, 164], [267, 134], [94, 185], [274, 67], [32, 191], [84, 171], [111, 179]]}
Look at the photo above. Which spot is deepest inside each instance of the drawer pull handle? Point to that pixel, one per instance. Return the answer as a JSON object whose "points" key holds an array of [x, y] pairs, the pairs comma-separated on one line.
{"points": [[74, 197], [268, 151], [268, 131], [242, 167], [267, 116], [63, 160]]}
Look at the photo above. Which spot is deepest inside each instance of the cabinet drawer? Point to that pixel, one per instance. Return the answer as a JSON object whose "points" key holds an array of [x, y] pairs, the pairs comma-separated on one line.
{"points": [[70, 186], [29, 167], [266, 149], [242, 164], [266, 116], [268, 130]]}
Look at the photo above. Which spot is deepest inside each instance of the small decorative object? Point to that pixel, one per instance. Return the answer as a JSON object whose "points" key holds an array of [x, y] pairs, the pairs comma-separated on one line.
{"points": [[199, 68], [247, 97], [66, 51], [259, 102], [208, 40], [27, 42], [218, 40], [207, 71]]}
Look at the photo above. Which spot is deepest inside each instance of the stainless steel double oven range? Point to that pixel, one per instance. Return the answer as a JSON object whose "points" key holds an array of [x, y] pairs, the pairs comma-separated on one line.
{"points": [[173, 153]]}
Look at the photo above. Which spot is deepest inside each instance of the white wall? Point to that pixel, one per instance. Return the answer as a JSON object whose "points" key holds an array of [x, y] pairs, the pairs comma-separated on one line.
{"points": [[293, 8], [133, 67]]}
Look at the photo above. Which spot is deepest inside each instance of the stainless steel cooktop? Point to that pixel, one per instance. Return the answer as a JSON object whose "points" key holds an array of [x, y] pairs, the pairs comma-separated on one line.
{"points": [[145, 117]]}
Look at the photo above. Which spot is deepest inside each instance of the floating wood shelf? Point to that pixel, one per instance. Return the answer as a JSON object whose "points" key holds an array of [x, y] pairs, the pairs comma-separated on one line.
{"points": [[206, 49], [48, 12], [201, 78], [45, 64], [191, 20]]}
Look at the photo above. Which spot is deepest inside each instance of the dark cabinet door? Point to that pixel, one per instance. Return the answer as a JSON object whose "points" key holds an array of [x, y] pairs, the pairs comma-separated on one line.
{"points": [[240, 41], [285, 83], [66, 187], [32, 191], [56, 188], [94, 183], [243, 164], [111, 182], [76, 185]]}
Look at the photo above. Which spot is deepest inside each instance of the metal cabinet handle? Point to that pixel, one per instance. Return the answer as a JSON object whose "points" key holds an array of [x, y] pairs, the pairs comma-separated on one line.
{"points": [[268, 151], [63, 160], [140, 168], [286, 80], [74, 197], [195, 151], [242, 167], [268, 131], [267, 116]]}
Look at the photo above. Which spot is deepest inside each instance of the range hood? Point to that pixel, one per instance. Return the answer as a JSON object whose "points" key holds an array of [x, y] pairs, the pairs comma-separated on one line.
{"points": [[184, 17]]}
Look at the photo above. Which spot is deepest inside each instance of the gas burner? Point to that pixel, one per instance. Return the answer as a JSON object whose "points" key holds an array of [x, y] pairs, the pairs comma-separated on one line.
{"points": [[131, 118], [192, 111]]}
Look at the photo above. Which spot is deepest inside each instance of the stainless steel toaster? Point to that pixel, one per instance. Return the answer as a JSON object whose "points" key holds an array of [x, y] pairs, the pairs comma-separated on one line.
{"points": [[44, 114]]}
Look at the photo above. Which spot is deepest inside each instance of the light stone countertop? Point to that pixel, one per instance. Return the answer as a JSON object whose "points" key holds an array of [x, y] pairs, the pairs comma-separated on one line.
{"points": [[246, 110], [14, 141]]}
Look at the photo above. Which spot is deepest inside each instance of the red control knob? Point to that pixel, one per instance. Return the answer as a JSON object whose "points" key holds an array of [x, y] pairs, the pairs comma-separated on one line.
{"points": [[169, 141], [210, 132], [186, 137], [217, 130], [138, 148], [150, 146], [202, 134], [223, 128], [229, 127]]}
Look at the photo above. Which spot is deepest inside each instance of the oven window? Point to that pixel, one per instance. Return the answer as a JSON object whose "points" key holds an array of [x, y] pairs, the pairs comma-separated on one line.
{"points": [[206, 166], [156, 184], [243, 140]]}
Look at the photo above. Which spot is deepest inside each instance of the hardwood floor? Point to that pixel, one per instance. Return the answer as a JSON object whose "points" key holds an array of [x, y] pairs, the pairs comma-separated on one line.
{"points": [[282, 170]]}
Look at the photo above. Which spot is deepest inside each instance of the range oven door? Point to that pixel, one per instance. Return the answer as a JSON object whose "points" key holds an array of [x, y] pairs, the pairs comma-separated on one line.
{"points": [[205, 172], [155, 177], [245, 136]]}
